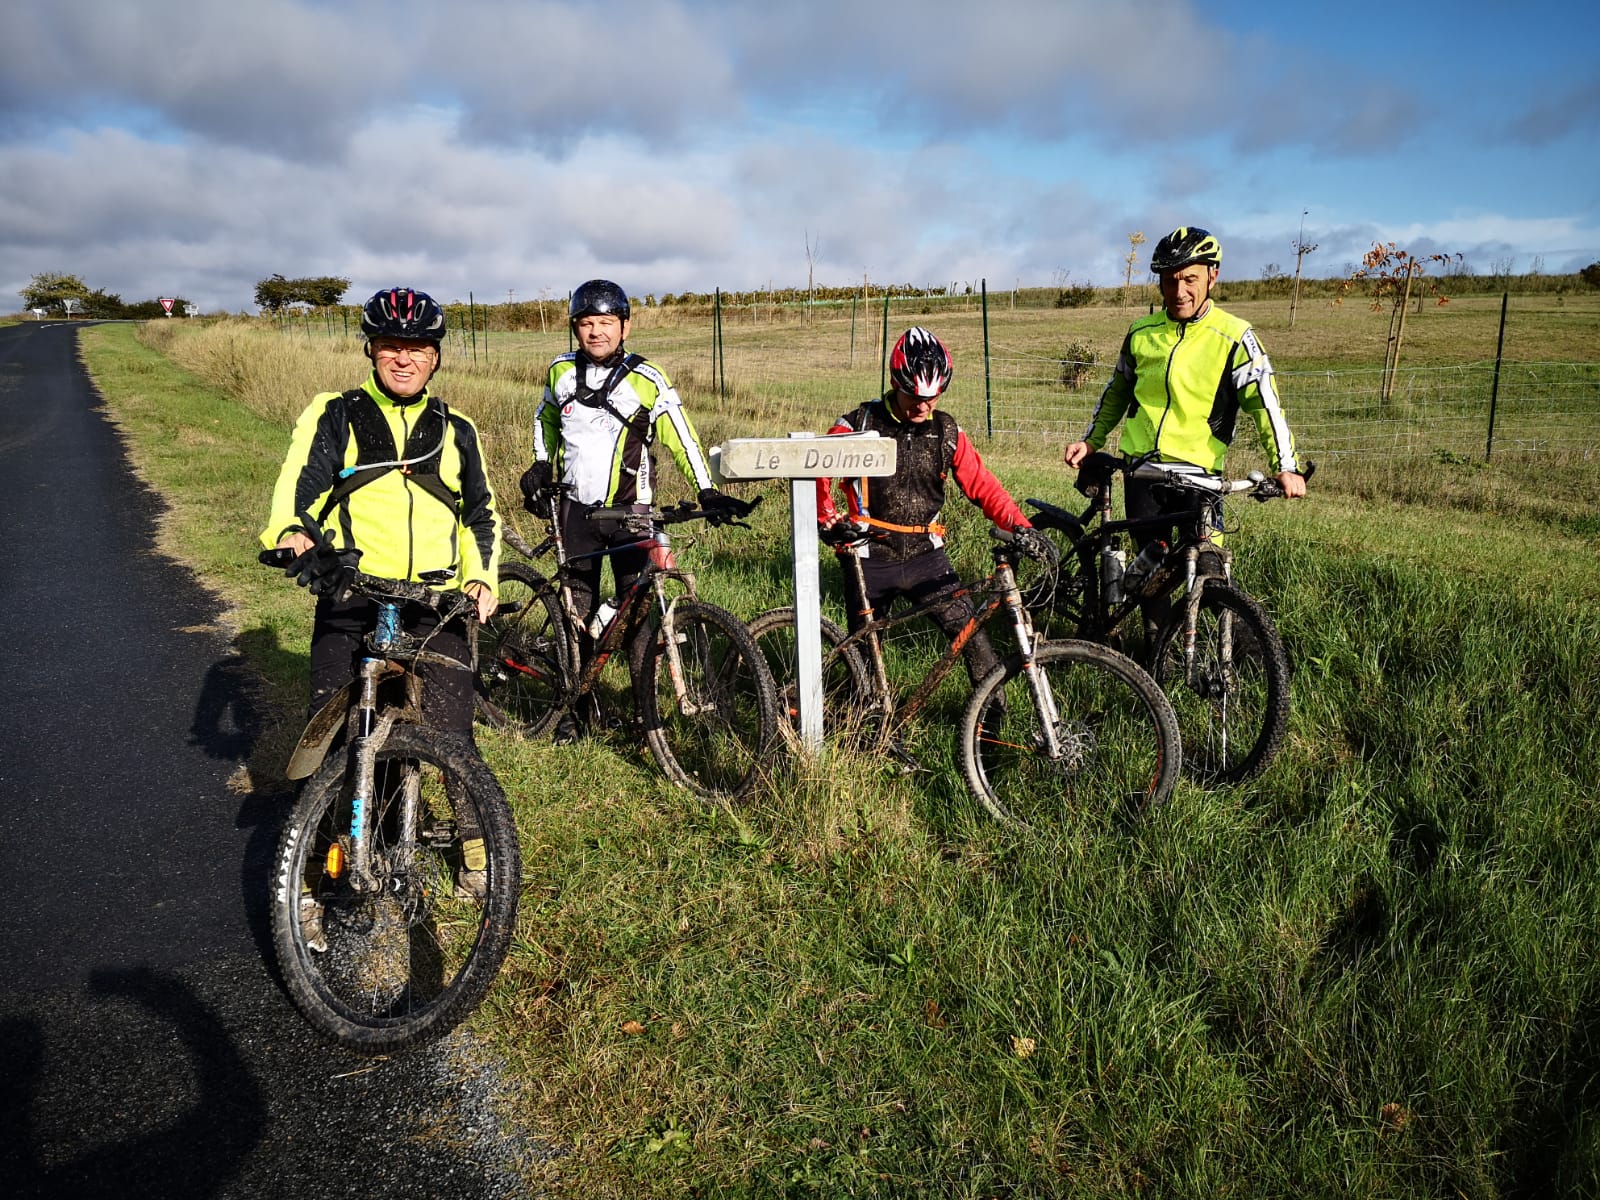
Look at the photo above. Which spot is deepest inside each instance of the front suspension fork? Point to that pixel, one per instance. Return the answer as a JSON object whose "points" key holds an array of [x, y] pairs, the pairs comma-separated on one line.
{"points": [[370, 732]]}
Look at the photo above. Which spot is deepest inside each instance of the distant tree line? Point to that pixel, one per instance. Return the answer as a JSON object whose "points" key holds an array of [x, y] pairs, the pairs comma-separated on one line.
{"points": [[275, 293], [49, 292]]}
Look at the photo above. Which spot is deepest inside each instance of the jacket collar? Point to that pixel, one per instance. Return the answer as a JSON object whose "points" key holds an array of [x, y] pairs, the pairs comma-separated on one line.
{"points": [[374, 388]]}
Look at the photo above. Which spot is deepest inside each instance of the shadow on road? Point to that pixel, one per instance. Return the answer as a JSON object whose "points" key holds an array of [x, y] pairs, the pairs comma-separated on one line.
{"points": [[193, 1152]]}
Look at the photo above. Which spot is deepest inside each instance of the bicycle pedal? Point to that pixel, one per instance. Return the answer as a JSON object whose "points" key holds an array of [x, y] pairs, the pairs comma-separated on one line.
{"points": [[438, 834]]}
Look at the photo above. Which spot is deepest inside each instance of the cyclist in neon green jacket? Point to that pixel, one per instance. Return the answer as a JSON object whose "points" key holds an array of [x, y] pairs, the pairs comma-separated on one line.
{"points": [[1186, 373], [1182, 378]]}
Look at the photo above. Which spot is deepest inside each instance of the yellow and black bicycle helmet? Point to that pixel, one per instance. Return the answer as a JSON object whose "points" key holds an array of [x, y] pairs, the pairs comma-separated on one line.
{"points": [[1185, 245]]}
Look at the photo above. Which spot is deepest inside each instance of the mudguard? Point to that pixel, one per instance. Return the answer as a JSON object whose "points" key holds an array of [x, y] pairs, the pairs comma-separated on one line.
{"points": [[319, 734]]}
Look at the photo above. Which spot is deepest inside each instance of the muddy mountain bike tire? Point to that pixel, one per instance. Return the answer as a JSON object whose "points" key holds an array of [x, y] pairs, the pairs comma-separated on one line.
{"points": [[403, 964], [522, 654], [1233, 718], [715, 736], [1118, 736]]}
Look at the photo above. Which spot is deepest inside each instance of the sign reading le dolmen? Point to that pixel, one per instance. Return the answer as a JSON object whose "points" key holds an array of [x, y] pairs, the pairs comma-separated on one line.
{"points": [[807, 457]]}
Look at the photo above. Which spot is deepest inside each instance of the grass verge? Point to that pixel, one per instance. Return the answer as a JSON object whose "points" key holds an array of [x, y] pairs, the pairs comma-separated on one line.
{"points": [[1374, 972]]}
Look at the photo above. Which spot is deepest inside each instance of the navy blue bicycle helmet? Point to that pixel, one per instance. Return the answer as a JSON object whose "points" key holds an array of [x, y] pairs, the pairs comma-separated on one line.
{"points": [[402, 312], [598, 298]]}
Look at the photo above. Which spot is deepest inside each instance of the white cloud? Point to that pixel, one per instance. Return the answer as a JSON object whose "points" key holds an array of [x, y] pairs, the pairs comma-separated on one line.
{"points": [[683, 144]]}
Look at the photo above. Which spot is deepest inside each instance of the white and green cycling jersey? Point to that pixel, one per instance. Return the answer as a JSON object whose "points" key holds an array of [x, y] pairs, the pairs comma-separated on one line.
{"points": [[599, 436]]}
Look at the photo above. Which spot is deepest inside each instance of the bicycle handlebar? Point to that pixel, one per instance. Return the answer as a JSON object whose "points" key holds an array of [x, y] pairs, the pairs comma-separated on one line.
{"points": [[642, 517], [446, 604], [1196, 479]]}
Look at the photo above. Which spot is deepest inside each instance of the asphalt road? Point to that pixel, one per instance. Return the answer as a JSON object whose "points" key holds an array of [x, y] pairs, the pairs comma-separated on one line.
{"points": [[146, 1048]]}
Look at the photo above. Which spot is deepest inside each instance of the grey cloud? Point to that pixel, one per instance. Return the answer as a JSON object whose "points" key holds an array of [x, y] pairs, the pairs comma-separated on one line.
{"points": [[1054, 69], [1575, 110], [552, 73], [274, 73]]}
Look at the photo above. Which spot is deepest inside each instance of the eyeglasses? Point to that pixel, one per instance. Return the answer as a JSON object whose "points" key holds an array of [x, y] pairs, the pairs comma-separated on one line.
{"points": [[389, 350]]}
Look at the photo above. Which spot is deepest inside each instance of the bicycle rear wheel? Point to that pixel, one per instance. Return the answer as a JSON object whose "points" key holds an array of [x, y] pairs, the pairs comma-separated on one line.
{"points": [[1233, 708], [847, 705], [522, 654], [707, 703], [1116, 733], [405, 962]]}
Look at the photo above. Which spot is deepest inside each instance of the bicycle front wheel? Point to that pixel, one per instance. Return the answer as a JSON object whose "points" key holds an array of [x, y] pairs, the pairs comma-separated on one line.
{"points": [[522, 654], [1114, 733], [1233, 701], [847, 705], [402, 958], [706, 700]]}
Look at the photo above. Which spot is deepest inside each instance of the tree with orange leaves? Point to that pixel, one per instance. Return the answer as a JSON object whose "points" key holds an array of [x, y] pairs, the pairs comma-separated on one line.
{"points": [[1392, 275]]}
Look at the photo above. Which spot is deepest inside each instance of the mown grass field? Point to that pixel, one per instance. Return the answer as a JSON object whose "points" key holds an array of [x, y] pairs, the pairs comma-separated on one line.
{"points": [[1371, 973]]}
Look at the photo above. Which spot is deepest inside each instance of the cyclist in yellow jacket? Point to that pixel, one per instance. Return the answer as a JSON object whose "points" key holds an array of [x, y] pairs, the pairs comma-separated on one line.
{"points": [[1182, 378], [1185, 374], [398, 481]]}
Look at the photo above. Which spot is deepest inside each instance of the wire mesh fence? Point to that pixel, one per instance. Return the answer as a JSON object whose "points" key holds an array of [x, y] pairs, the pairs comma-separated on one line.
{"points": [[1465, 410], [777, 365]]}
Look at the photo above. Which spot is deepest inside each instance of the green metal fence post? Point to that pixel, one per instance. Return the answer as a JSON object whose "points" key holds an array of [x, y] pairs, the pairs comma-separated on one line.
{"points": [[988, 401], [883, 362], [1494, 390]]}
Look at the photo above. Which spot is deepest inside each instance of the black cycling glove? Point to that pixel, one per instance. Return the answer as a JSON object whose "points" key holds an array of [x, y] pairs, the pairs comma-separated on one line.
{"points": [[1034, 544], [324, 571], [722, 508], [535, 484]]}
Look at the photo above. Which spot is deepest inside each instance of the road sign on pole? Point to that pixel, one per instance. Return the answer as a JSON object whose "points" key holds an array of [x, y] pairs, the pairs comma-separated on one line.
{"points": [[166, 304], [803, 458]]}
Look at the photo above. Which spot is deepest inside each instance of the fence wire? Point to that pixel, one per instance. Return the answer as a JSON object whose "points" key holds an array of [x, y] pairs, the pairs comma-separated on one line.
{"points": [[1535, 407]]}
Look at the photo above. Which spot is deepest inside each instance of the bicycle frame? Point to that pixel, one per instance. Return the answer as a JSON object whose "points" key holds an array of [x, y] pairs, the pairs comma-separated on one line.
{"points": [[1095, 530], [652, 580], [998, 591]]}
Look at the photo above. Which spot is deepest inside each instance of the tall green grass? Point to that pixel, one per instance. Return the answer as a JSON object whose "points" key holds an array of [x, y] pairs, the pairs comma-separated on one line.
{"points": [[1371, 973]]}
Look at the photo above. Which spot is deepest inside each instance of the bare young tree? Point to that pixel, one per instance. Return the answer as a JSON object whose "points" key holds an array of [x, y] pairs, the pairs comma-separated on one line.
{"points": [[1301, 249], [811, 270], [1135, 240]]}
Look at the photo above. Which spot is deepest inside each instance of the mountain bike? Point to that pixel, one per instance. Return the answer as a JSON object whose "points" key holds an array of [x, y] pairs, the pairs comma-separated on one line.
{"points": [[704, 702], [1056, 725], [1216, 654], [381, 943]]}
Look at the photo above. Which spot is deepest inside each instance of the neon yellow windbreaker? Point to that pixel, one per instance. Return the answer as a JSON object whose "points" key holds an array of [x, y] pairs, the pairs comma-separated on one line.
{"points": [[400, 520], [1181, 386]]}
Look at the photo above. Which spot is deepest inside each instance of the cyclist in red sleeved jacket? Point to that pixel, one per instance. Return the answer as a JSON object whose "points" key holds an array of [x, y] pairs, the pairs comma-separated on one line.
{"points": [[907, 557]]}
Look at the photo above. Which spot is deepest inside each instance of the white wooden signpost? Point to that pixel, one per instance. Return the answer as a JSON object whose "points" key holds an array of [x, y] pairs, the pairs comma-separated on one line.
{"points": [[803, 458]]}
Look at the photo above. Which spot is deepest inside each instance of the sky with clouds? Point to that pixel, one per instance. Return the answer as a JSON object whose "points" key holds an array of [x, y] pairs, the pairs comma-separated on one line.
{"points": [[521, 146]]}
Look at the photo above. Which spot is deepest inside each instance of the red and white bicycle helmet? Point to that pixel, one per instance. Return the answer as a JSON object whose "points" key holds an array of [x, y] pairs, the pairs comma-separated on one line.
{"points": [[920, 364]]}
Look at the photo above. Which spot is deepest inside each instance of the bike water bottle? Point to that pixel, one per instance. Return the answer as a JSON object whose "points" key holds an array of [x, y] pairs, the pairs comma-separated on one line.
{"points": [[1113, 565], [1140, 568], [602, 618], [388, 626]]}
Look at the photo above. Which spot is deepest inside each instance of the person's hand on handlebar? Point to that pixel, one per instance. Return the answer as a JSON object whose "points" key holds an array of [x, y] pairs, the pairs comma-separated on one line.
{"points": [[535, 486], [1075, 453], [1293, 484], [483, 595], [839, 533], [1034, 544], [324, 571], [722, 508]]}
